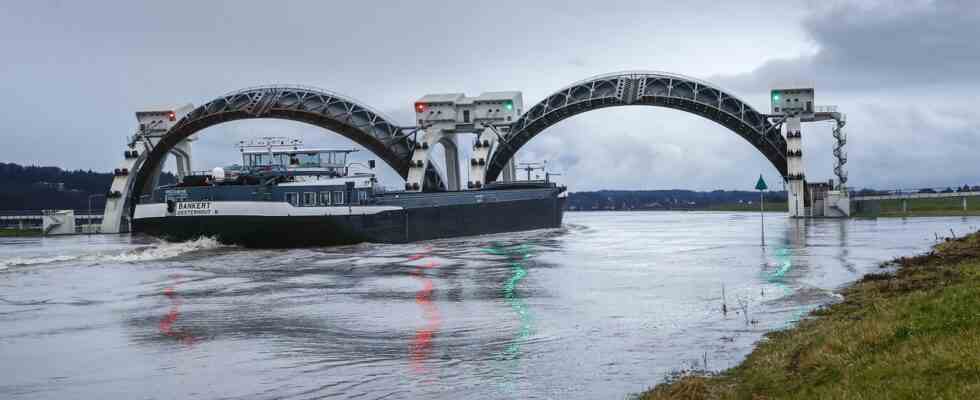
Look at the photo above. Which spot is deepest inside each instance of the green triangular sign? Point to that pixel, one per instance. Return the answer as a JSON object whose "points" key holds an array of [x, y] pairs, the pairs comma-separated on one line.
{"points": [[761, 184]]}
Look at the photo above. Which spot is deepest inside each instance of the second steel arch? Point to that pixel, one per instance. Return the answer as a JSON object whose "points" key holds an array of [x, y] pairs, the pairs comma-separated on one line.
{"points": [[643, 88]]}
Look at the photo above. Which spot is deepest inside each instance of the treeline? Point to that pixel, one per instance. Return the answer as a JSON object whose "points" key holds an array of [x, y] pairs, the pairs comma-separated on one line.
{"points": [[665, 199], [42, 188]]}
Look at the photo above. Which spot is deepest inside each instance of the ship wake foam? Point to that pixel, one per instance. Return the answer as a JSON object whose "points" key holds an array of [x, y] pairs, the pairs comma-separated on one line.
{"points": [[158, 251], [25, 261], [163, 250]]}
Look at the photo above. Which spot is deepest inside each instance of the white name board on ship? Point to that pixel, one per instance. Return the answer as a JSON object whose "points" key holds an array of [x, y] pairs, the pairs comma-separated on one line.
{"points": [[175, 195], [194, 208]]}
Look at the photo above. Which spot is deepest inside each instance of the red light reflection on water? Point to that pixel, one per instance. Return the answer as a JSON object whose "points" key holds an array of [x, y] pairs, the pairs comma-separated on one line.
{"points": [[422, 344], [168, 320]]}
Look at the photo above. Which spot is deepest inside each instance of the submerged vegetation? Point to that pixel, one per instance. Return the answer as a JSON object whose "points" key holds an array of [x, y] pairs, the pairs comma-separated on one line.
{"points": [[913, 333]]}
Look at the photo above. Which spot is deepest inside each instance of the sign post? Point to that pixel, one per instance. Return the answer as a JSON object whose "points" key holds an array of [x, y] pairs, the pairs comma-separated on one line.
{"points": [[761, 187]]}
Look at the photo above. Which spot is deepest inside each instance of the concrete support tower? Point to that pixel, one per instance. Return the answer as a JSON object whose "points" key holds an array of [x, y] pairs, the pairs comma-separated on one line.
{"points": [[450, 150], [152, 125], [792, 107], [442, 117], [795, 178], [509, 174]]}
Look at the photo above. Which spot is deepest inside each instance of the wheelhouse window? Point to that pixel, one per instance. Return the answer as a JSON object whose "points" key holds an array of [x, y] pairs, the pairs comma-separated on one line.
{"points": [[338, 197], [309, 199], [292, 198], [324, 198], [258, 159], [362, 196], [264, 159], [308, 160]]}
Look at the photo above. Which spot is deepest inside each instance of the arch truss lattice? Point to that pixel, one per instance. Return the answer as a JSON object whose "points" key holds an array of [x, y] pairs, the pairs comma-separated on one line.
{"points": [[644, 88], [319, 107]]}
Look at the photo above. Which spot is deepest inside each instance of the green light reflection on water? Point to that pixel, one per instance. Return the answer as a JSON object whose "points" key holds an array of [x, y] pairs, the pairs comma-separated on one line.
{"points": [[784, 259], [516, 255]]}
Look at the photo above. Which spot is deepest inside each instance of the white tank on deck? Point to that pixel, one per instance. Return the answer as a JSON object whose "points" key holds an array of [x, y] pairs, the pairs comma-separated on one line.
{"points": [[218, 174]]}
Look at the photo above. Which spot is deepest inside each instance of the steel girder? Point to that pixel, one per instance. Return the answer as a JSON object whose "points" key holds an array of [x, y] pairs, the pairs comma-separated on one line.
{"points": [[318, 107], [643, 88]]}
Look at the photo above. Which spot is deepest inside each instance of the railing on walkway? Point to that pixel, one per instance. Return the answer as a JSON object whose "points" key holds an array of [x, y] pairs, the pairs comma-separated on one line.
{"points": [[33, 219], [911, 194], [78, 212]]}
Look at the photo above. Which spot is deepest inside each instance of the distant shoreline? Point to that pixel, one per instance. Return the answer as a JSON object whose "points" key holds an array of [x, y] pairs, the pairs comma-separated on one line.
{"points": [[681, 209], [777, 207]]}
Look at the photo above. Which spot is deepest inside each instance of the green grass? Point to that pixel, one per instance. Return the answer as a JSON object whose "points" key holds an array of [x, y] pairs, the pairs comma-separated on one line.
{"points": [[914, 334], [927, 208], [19, 232], [770, 207]]}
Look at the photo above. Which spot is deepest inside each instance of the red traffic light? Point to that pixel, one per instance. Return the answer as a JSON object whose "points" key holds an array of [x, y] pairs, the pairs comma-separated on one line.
{"points": [[419, 107]]}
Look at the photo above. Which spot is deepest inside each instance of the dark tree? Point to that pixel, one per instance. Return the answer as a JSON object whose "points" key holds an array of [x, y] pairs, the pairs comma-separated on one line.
{"points": [[41, 188]]}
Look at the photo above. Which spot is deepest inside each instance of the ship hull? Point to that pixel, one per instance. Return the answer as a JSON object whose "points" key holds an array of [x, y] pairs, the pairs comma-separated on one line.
{"points": [[258, 225]]}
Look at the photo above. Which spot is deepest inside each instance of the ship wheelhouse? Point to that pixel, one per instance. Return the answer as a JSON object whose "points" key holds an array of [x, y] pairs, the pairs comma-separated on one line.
{"points": [[279, 171]]}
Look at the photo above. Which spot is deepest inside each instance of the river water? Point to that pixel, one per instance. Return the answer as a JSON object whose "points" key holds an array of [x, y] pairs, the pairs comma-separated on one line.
{"points": [[609, 304]]}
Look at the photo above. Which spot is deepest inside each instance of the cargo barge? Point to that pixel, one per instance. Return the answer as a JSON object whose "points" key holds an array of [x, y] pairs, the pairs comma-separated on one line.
{"points": [[300, 197]]}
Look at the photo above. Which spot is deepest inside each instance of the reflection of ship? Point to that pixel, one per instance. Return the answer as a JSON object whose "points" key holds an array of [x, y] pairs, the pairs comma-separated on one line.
{"points": [[286, 196]]}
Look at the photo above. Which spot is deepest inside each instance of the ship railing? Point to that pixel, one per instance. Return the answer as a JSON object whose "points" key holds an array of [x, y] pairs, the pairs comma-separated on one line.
{"points": [[78, 211]]}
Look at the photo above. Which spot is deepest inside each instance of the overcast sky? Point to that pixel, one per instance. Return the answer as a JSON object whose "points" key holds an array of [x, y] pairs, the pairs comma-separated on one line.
{"points": [[905, 72]]}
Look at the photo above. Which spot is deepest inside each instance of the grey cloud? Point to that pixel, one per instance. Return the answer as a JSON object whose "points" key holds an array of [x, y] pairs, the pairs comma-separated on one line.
{"points": [[878, 45], [76, 71], [905, 73], [911, 146], [578, 62]]}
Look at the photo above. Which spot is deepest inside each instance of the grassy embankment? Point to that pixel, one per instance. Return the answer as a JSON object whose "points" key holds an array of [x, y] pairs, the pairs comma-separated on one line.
{"points": [[19, 232], [927, 208], [912, 334]]}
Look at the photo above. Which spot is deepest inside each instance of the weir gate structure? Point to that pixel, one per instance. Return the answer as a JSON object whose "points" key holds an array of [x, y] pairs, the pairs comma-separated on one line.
{"points": [[501, 126]]}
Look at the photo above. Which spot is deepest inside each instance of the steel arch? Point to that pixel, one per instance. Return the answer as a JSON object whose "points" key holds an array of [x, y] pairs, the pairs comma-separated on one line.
{"points": [[643, 88], [319, 107]]}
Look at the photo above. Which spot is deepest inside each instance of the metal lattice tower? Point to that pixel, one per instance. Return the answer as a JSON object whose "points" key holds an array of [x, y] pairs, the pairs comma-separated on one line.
{"points": [[839, 154]]}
